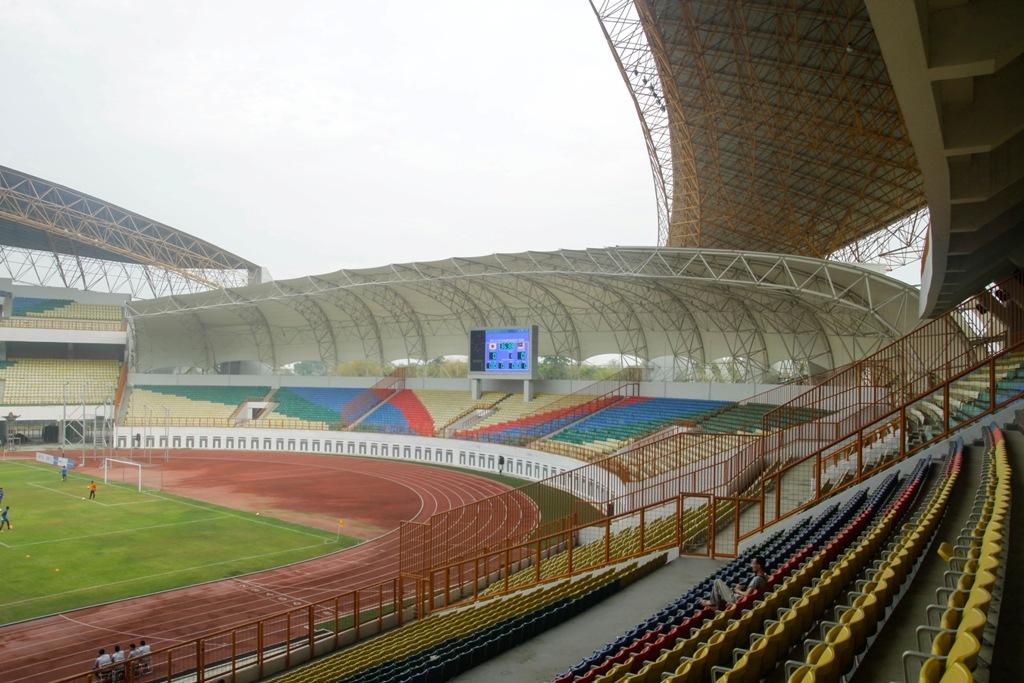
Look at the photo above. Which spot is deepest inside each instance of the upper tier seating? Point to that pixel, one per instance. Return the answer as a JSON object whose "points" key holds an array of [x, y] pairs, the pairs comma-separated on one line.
{"points": [[749, 417], [969, 396], [444, 406], [514, 408], [631, 418], [41, 381], [33, 307], [320, 406], [539, 422], [215, 404]]}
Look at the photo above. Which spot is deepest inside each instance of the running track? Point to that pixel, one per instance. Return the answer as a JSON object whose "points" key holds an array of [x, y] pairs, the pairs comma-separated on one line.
{"points": [[53, 647]]}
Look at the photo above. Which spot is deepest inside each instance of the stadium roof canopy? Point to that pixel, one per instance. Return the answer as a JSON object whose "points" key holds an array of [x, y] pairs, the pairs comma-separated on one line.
{"points": [[958, 73], [683, 310], [826, 127], [53, 235]]}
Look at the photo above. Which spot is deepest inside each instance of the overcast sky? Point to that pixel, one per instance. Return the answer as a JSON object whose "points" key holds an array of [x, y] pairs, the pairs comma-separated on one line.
{"points": [[310, 136]]}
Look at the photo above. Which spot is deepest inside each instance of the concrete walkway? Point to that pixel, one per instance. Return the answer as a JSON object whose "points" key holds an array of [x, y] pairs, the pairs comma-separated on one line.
{"points": [[544, 657]]}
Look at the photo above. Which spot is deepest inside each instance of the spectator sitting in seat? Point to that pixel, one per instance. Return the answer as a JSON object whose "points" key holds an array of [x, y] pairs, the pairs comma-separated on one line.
{"points": [[133, 655], [142, 653], [722, 595], [118, 658], [101, 661]]}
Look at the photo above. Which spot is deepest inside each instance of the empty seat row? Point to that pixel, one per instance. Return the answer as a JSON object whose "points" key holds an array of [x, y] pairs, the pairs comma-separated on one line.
{"points": [[199, 404], [403, 413], [756, 639], [808, 601], [970, 398], [965, 613], [837, 643], [659, 645], [53, 381], [515, 408], [319, 406], [612, 428], [447, 406], [537, 424], [33, 307], [444, 644]]}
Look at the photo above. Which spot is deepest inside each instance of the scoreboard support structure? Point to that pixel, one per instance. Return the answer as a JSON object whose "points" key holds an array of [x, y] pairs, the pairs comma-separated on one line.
{"points": [[476, 388], [508, 353]]}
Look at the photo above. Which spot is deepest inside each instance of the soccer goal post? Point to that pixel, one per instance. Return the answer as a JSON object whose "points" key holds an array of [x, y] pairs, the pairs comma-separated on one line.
{"points": [[109, 462]]}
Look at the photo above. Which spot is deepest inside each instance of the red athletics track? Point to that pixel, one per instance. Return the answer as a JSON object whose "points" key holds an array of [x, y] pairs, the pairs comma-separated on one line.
{"points": [[54, 647]]}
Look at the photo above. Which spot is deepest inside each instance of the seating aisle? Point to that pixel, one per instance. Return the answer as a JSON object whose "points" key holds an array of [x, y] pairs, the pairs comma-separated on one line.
{"points": [[897, 636], [1008, 659], [538, 660]]}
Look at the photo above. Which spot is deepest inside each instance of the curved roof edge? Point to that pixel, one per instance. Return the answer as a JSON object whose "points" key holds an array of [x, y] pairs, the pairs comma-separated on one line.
{"points": [[44, 216], [694, 307]]}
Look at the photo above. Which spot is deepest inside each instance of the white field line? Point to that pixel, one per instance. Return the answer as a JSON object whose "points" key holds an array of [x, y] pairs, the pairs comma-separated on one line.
{"points": [[326, 535], [91, 502], [150, 576], [114, 533]]}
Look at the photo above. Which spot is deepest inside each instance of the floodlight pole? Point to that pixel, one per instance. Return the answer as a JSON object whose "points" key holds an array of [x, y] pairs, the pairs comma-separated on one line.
{"points": [[113, 432], [63, 415], [81, 397], [167, 434], [108, 421], [97, 431], [147, 431]]}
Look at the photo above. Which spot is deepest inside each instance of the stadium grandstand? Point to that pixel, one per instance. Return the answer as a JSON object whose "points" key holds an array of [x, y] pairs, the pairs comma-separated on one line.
{"points": [[801, 469]]}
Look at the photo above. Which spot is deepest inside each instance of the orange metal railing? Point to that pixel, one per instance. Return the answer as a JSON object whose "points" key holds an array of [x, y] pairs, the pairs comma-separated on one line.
{"points": [[122, 382], [458, 573], [282, 423], [717, 489], [65, 324]]}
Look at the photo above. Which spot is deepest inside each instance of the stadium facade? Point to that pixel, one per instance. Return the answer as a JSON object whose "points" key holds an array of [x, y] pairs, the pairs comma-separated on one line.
{"points": [[796, 150]]}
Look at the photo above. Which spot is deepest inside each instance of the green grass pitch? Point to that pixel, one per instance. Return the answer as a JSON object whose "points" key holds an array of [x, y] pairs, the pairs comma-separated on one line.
{"points": [[65, 552]]}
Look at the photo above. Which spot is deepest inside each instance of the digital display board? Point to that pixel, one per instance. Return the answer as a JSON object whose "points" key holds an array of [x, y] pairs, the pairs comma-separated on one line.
{"points": [[509, 352]]}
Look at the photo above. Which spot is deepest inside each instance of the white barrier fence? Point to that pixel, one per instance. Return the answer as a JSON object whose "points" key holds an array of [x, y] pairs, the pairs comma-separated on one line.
{"points": [[523, 463]]}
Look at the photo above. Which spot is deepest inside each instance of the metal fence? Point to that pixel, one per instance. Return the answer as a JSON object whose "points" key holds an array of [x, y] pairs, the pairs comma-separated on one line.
{"points": [[703, 493]]}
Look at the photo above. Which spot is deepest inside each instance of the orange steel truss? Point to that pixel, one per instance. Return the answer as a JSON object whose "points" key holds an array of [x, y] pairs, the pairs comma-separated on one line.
{"points": [[701, 493], [770, 126]]}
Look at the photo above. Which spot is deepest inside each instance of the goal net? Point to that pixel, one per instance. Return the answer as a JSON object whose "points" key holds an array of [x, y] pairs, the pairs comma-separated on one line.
{"points": [[122, 471]]}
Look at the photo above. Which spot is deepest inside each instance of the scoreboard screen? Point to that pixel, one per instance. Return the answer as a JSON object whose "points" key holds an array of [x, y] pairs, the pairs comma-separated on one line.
{"points": [[508, 352]]}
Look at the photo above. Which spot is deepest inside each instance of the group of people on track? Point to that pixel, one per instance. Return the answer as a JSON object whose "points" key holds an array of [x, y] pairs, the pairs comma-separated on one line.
{"points": [[138, 656]]}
